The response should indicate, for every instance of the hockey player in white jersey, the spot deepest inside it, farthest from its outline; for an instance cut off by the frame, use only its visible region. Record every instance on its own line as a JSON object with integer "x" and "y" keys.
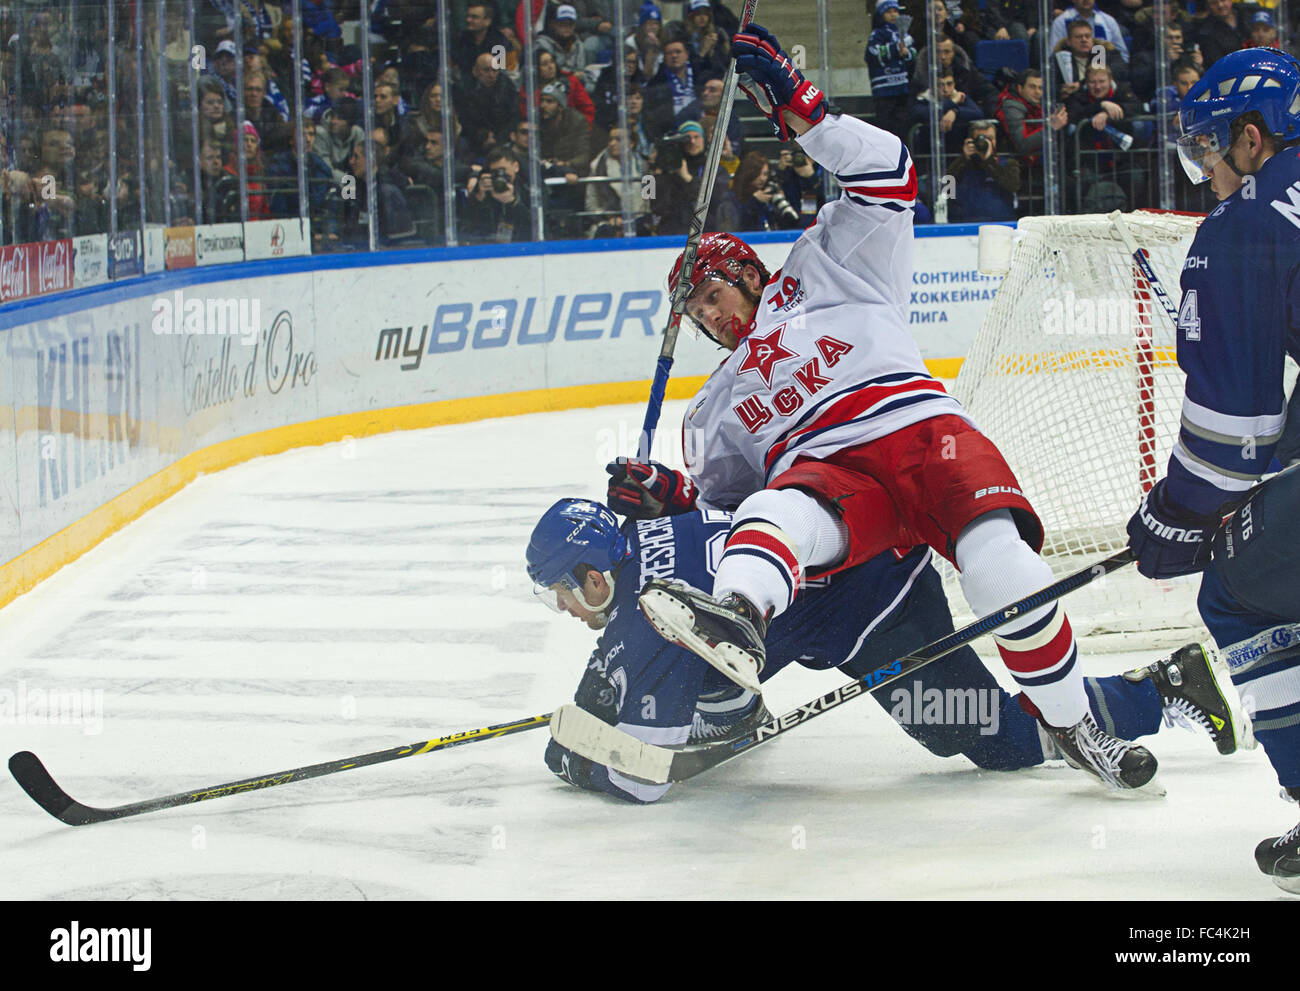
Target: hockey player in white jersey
{"x": 825, "y": 432}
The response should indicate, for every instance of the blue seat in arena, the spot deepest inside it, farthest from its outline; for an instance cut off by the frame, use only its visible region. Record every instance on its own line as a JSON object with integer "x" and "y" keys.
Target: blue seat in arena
{"x": 990, "y": 56}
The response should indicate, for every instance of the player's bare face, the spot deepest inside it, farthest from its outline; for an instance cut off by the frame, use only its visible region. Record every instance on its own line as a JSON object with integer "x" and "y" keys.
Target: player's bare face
{"x": 722, "y": 310}
{"x": 586, "y": 604}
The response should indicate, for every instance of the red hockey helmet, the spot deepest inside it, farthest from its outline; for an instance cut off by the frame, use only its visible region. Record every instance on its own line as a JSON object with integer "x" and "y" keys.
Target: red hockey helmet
{"x": 721, "y": 256}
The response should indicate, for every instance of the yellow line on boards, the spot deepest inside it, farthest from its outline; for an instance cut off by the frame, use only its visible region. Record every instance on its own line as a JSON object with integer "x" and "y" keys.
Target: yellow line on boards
{"x": 33, "y": 566}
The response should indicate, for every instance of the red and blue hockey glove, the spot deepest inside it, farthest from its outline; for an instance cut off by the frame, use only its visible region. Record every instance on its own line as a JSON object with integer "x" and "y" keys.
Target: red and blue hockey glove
{"x": 1167, "y": 540}
{"x": 777, "y": 85}
{"x": 646, "y": 490}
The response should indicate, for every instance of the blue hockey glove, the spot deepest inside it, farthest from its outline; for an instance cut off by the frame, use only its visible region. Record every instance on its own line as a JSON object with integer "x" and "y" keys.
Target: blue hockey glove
{"x": 646, "y": 490}
{"x": 1168, "y": 540}
{"x": 774, "y": 84}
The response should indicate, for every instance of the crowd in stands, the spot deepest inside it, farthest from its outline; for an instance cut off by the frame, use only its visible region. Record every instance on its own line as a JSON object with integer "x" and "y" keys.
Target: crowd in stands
{"x": 227, "y": 145}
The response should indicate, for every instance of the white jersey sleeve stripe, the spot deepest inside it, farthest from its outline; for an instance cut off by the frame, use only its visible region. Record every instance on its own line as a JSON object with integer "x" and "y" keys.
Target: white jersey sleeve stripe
{"x": 1223, "y": 428}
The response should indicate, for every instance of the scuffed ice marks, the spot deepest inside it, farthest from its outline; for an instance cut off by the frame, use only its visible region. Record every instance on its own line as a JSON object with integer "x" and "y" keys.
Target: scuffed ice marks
{"x": 238, "y": 887}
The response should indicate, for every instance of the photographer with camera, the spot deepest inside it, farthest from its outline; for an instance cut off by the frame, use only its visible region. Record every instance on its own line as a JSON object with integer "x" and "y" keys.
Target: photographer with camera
{"x": 679, "y": 163}
{"x": 496, "y": 200}
{"x": 762, "y": 204}
{"x": 984, "y": 188}
{"x": 801, "y": 182}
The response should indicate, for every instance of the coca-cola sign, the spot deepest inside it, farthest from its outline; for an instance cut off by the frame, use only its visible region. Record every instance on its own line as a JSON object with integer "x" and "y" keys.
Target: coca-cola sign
{"x": 54, "y": 266}
{"x": 15, "y": 279}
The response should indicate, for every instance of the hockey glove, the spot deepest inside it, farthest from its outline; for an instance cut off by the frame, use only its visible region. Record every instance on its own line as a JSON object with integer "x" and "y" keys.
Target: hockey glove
{"x": 771, "y": 81}
{"x": 1168, "y": 540}
{"x": 646, "y": 490}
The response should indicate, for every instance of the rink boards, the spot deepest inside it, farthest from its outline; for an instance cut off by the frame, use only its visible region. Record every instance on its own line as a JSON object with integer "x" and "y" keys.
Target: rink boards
{"x": 114, "y": 397}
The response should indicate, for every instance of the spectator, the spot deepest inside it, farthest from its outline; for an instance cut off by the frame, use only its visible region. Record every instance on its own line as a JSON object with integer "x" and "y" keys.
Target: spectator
{"x": 561, "y": 40}
{"x": 1263, "y": 31}
{"x": 955, "y": 60}
{"x": 390, "y": 75}
{"x": 648, "y": 40}
{"x": 216, "y": 123}
{"x": 424, "y": 166}
{"x": 1102, "y": 113}
{"x": 223, "y": 71}
{"x": 335, "y": 84}
{"x": 564, "y": 135}
{"x": 1144, "y": 26}
{"x": 889, "y": 55}
{"x": 488, "y": 106}
{"x": 480, "y": 37}
{"x": 599, "y": 45}
{"x": 956, "y": 111}
{"x": 339, "y": 135}
{"x": 1142, "y": 71}
{"x": 387, "y": 113}
{"x": 54, "y": 181}
{"x": 705, "y": 110}
{"x": 1185, "y": 75}
{"x": 1221, "y": 31}
{"x": 611, "y": 197}
{"x": 259, "y": 206}
{"x": 255, "y": 64}
{"x": 605, "y": 96}
{"x": 679, "y": 78}
{"x": 706, "y": 41}
{"x": 1104, "y": 27}
{"x": 576, "y": 95}
{"x": 260, "y": 112}
{"x": 428, "y": 119}
{"x": 420, "y": 60}
{"x": 801, "y": 182}
{"x": 1075, "y": 55}
{"x": 645, "y": 128}
{"x": 760, "y": 202}
{"x": 985, "y": 185}
{"x": 1020, "y": 109}
{"x": 496, "y": 203}
{"x": 393, "y": 222}
{"x": 218, "y": 198}
{"x": 283, "y": 168}
{"x": 679, "y": 163}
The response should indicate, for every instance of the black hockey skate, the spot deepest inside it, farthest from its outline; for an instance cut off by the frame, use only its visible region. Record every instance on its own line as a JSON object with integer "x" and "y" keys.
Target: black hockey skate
{"x": 1191, "y": 695}
{"x": 1118, "y": 763}
{"x": 728, "y": 633}
{"x": 1279, "y": 856}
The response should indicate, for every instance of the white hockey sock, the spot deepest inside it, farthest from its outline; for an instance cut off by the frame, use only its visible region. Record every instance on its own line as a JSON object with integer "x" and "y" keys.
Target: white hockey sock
{"x": 997, "y": 568}
{"x": 776, "y": 534}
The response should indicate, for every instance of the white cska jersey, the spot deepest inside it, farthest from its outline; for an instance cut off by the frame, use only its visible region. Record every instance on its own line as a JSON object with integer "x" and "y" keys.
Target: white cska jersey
{"x": 830, "y": 362}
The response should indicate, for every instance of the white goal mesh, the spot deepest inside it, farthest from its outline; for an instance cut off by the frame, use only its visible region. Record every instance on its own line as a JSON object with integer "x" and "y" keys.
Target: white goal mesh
{"x": 1073, "y": 375}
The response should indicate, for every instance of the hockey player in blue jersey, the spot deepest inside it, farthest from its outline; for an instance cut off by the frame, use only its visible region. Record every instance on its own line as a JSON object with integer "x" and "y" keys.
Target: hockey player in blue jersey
{"x": 582, "y": 563}
{"x": 1239, "y": 319}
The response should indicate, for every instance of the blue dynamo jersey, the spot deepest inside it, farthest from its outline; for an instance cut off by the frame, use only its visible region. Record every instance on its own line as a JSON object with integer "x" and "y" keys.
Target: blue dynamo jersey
{"x": 1239, "y": 318}
{"x": 650, "y": 688}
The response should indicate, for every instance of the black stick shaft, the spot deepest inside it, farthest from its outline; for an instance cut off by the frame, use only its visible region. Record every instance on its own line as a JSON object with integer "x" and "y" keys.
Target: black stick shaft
{"x": 34, "y": 779}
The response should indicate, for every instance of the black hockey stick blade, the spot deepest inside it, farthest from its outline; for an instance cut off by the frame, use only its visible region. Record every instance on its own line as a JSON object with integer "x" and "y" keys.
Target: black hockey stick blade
{"x": 584, "y": 734}
{"x": 40, "y": 785}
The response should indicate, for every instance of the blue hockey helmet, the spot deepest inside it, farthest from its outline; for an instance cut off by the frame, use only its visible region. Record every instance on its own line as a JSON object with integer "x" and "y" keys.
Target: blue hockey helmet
{"x": 574, "y": 532}
{"x": 1262, "y": 79}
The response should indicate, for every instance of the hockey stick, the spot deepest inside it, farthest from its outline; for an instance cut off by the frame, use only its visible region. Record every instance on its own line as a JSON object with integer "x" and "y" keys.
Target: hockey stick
{"x": 34, "y": 779}
{"x": 584, "y": 734}
{"x": 1140, "y": 259}
{"x": 664, "y": 366}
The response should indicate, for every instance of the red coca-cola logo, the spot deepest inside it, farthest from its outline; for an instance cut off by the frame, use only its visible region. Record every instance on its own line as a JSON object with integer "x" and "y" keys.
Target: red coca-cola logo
{"x": 54, "y": 266}
{"x": 13, "y": 273}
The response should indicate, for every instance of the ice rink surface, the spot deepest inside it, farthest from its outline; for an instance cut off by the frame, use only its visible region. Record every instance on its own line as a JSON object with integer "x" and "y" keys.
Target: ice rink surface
{"x": 333, "y": 601}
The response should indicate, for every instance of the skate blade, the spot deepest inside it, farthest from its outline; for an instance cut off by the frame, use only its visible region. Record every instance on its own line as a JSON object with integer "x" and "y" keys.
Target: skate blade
{"x": 1291, "y": 885}
{"x": 675, "y": 621}
{"x": 1153, "y": 789}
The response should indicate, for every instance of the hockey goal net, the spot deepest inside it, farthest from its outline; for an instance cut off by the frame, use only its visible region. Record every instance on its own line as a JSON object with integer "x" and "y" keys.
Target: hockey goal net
{"x": 1073, "y": 375}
